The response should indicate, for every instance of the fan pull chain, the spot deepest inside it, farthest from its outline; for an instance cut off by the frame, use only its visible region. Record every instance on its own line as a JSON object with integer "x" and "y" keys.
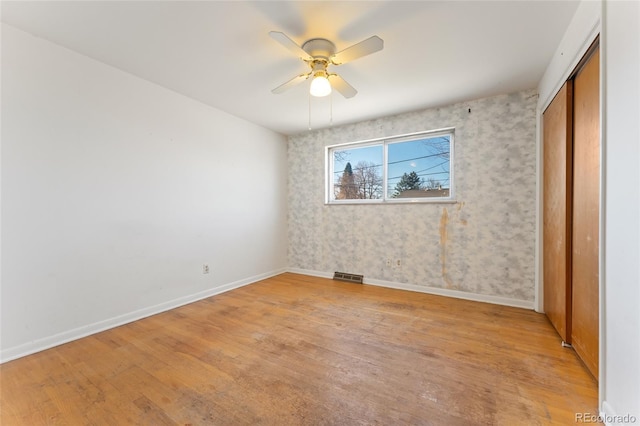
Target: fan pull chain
{"x": 331, "y": 109}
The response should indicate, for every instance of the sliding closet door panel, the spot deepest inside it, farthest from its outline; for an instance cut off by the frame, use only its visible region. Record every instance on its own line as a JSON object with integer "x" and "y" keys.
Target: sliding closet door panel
{"x": 586, "y": 196}
{"x": 557, "y": 123}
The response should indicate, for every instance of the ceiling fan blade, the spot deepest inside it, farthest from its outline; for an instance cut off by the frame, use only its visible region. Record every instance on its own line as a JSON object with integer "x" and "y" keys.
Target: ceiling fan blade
{"x": 285, "y": 41}
{"x": 289, "y": 84}
{"x": 342, "y": 86}
{"x": 358, "y": 50}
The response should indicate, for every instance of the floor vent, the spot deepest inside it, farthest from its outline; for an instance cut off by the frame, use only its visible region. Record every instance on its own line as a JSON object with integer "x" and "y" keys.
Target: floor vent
{"x": 350, "y": 278}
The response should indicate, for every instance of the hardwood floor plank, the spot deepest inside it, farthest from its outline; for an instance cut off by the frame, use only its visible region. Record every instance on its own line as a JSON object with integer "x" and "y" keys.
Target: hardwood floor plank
{"x": 301, "y": 350}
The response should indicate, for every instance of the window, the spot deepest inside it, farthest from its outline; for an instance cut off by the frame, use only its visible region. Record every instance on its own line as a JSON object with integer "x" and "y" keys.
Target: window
{"x": 410, "y": 168}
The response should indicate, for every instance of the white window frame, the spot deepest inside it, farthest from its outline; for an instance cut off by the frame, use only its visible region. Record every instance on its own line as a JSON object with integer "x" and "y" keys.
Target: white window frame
{"x": 385, "y": 142}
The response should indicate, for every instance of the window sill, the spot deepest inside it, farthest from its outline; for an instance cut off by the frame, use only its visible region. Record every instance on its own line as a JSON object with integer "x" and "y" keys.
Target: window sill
{"x": 384, "y": 202}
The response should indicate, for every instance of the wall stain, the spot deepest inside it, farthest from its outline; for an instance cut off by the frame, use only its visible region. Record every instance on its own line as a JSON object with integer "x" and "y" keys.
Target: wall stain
{"x": 444, "y": 220}
{"x": 459, "y": 209}
{"x": 444, "y": 240}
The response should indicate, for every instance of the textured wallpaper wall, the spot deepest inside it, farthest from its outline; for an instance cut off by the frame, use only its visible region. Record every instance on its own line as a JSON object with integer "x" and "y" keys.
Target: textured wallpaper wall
{"x": 483, "y": 243}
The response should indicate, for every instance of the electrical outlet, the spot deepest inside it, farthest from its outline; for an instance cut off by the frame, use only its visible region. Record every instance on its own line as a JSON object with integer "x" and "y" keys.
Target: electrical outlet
{"x": 205, "y": 269}
{"x": 389, "y": 263}
{"x": 398, "y": 263}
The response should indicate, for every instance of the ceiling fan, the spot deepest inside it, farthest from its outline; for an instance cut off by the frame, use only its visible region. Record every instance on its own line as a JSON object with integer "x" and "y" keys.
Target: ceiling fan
{"x": 319, "y": 53}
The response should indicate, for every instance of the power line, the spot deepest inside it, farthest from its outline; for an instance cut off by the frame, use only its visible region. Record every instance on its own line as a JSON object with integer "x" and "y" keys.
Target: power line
{"x": 418, "y": 158}
{"x": 432, "y": 167}
{"x": 399, "y": 161}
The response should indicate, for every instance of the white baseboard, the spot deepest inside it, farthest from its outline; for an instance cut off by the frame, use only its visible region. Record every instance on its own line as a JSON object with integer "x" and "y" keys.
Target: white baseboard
{"x": 496, "y": 300}
{"x": 87, "y": 330}
{"x": 606, "y": 412}
{"x": 609, "y": 417}
{"x": 310, "y": 273}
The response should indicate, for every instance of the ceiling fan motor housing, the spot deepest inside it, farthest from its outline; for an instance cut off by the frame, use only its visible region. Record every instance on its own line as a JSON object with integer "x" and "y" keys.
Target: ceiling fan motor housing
{"x": 319, "y": 48}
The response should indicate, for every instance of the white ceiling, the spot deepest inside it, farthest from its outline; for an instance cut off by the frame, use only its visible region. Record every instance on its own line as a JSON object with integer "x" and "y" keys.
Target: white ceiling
{"x": 220, "y": 53}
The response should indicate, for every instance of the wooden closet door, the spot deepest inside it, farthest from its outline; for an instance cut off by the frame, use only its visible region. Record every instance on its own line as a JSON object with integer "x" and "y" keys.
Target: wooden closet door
{"x": 586, "y": 202}
{"x": 557, "y": 160}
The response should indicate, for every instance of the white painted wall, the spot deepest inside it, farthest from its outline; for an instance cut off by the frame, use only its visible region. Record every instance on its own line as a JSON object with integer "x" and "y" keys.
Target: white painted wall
{"x": 621, "y": 132}
{"x": 619, "y": 23}
{"x": 116, "y": 191}
{"x": 583, "y": 29}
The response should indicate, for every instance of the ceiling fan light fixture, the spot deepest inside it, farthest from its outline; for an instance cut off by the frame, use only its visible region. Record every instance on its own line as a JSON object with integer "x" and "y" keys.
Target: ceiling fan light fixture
{"x": 320, "y": 85}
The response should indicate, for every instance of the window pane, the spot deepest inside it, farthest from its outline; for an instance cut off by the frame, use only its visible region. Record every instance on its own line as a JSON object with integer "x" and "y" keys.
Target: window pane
{"x": 357, "y": 173}
{"x": 419, "y": 168}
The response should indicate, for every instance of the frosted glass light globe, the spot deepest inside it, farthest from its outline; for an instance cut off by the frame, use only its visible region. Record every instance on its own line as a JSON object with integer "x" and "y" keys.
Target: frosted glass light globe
{"x": 320, "y": 86}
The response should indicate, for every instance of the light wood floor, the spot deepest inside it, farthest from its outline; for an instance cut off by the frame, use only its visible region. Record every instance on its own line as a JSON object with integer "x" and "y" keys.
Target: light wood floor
{"x": 297, "y": 350}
